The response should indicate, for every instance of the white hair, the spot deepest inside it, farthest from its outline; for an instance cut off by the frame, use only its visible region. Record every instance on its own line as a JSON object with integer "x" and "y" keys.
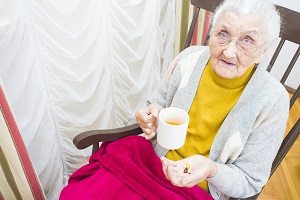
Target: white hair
{"x": 262, "y": 10}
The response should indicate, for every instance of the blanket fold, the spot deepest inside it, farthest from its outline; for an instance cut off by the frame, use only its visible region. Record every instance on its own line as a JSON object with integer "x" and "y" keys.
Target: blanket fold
{"x": 126, "y": 169}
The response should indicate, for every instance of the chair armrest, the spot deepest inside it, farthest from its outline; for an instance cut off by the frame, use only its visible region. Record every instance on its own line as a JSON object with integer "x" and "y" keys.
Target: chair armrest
{"x": 93, "y": 137}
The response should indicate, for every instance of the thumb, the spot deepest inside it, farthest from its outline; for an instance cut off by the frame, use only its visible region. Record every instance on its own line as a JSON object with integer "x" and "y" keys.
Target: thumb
{"x": 168, "y": 162}
{"x": 155, "y": 112}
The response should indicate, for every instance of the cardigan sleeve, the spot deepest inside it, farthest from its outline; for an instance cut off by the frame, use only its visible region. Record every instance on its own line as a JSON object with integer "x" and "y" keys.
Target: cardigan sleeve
{"x": 247, "y": 175}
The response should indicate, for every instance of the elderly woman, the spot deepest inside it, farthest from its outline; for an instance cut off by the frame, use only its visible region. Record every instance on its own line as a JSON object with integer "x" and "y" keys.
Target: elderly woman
{"x": 238, "y": 111}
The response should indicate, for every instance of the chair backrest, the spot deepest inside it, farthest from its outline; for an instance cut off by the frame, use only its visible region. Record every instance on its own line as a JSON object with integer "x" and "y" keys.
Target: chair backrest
{"x": 17, "y": 174}
{"x": 290, "y": 32}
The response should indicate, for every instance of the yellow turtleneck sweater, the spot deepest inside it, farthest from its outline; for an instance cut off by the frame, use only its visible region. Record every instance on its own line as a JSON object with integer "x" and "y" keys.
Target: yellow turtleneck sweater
{"x": 214, "y": 99}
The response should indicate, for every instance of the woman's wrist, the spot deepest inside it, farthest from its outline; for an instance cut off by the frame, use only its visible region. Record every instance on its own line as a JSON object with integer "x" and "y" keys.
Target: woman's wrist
{"x": 214, "y": 170}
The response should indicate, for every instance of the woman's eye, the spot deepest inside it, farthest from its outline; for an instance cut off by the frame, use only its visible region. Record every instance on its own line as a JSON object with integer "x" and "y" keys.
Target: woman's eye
{"x": 223, "y": 35}
{"x": 246, "y": 40}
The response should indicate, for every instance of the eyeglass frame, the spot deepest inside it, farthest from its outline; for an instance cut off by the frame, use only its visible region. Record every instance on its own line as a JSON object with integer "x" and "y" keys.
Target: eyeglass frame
{"x": 236, "y": 42}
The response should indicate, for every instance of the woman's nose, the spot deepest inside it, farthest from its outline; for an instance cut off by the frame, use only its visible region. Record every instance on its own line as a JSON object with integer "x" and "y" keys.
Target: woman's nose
{"x": 231, "y": 49}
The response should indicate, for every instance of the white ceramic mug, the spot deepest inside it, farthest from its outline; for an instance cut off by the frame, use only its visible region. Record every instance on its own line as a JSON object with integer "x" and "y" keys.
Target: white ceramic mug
{"x": 172, "y": 127}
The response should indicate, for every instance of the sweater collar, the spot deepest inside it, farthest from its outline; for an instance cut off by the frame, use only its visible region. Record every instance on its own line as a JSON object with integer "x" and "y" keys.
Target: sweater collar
{"x": 233, "y": 82}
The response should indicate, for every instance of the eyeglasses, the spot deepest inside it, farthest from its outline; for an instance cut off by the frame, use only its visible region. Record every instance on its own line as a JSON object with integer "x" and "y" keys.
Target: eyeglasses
{"x": 245, "y": 45}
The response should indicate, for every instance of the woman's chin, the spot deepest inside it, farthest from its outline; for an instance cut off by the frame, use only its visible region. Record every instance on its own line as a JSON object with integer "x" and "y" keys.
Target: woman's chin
{"x": 226, "y": 73}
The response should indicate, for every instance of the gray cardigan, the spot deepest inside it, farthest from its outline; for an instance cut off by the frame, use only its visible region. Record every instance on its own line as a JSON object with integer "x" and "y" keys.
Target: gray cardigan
{"x": 251, "y": 134}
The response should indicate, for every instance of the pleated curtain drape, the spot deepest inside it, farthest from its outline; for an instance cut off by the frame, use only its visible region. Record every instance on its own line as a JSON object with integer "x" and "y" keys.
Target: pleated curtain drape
{"x": 72, "y": 66}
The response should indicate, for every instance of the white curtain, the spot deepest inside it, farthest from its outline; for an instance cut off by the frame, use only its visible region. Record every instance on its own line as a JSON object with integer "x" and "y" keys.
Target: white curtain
{"x": 74, "y": 65}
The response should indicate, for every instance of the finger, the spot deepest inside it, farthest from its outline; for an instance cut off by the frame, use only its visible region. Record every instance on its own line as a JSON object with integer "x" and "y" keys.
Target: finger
{"x": 143, "y": 119}
{"x": 154, "y": 113}
{"x": 143, "y": 115}
{"x": 174, "y": 177}
{"x": 168, "y": 161}
{"x": 191, "y": 184}
{"x": 150, "y": 125}
{"x": 155, "y": 109}
{"x": 148, "y": 130}
{"x": 169, "y": 167}
{"x": 147, "y": 125}
{"x": 148, "y": 121}
{"x": 165, "y": 168}
{"x": 151, "y": 135}
{"x": 191, "y": 180}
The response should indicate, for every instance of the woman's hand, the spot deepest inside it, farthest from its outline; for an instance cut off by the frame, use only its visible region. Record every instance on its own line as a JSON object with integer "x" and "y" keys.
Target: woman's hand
{"x": 201, "y": 168}
{"x": 147, "y": 119}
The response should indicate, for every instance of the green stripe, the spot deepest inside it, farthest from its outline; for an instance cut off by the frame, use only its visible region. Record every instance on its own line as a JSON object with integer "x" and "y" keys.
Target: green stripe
{"x": 184, "y": 22}
{"x": 9, "y": 176}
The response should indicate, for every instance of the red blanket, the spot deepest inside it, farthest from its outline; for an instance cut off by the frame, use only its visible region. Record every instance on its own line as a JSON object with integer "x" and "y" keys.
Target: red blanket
{"x": 126, "y": 169}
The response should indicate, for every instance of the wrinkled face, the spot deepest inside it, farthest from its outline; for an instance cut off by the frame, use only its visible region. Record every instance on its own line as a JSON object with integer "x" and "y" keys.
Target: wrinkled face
{"x": 227, "y": 60}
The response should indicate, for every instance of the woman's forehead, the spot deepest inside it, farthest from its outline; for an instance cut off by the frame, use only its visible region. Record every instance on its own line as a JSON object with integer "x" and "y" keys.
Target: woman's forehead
{"x": 239, "y": 24}
{"x": 248, "y": 30}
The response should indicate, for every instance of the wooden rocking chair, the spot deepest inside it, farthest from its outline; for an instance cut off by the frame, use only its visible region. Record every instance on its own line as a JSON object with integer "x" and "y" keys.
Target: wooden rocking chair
{"x": 291, "y": 32}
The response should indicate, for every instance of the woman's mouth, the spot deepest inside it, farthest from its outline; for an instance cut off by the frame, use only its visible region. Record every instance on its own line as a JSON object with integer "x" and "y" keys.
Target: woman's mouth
{"x": 228, "y": 63}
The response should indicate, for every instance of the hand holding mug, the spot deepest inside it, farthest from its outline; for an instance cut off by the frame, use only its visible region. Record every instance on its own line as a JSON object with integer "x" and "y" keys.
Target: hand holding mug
{"x": 147, "y": 119}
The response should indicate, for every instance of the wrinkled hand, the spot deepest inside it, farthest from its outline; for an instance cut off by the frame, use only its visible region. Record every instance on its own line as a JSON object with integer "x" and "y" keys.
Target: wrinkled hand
{"x": 147, "y": 119}
{"x": 201, "y": 168}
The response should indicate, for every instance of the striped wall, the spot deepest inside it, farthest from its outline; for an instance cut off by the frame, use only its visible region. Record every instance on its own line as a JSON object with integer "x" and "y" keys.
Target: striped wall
{"x": 184, "y": 15}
